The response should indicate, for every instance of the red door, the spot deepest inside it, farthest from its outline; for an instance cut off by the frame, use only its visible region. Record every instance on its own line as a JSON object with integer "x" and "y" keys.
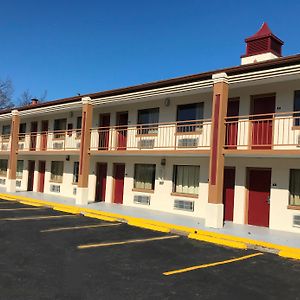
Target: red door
{"x": 41, "y": 182}
{"x": 31, "y": 167}
{"x": 101, "y": 172}
{"x": 44, "y": 135}
{"x": 232, "y": 123}
{"x": 259, "y": 197}
{"x": 122, "y": 122}
{"x": 104, "y": 123}
{"x": 119, "y": 173}
{"x": 228, "y": 193}
{"x": 262, "y": 126}
{"x": 33, "y": 134}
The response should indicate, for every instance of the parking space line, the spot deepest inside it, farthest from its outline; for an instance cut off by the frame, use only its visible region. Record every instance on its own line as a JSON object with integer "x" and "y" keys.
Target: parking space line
{"x": 36, "y": 218}
{"x": 211, "y": 264}
{"x": 80, "y": 227}
{"x": 22, "y": 208}
{"x": 127, "y": 242}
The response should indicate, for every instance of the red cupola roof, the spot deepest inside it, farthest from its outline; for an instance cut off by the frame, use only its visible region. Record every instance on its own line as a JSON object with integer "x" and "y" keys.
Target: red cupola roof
{"x": 263, "y": 41}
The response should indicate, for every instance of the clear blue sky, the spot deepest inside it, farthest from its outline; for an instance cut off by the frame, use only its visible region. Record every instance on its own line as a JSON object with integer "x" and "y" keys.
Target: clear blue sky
{"x": 87, "y": 46}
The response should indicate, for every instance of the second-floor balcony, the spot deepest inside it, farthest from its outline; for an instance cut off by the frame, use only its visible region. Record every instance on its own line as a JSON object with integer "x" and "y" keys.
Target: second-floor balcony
{"x": 186, "y": 136}
{"x": 58, "y": 140}
{"x": 265, "y": 132}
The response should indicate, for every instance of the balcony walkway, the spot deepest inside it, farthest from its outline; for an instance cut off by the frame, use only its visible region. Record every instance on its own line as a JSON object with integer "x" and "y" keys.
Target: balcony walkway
{"x": 245, "y": 231}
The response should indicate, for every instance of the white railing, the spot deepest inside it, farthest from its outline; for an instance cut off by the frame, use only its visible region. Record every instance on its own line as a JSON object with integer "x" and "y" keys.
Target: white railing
{"x": 176, "y": 136}
{"x": 59, "y": 140}
{"x": 280, "y": 131}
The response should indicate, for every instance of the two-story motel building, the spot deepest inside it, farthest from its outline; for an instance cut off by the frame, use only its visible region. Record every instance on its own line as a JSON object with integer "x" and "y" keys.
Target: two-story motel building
{"x": 221, "y": 145}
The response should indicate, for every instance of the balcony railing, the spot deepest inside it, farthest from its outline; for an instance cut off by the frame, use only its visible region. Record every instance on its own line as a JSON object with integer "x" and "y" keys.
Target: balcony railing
{"x": 279, "y": 131}
{"x": 5, "y": 142}
{"x": 58, "y": 140}
{"x": 176, "y": 136}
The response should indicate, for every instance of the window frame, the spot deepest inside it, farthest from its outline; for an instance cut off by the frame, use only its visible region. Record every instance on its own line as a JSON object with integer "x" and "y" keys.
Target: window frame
{"x": 75, "y": 172}
{"x": 147, "y": 128}
{"x": 175, "y": 177}
{"x": 6, "y": 136}
{"x": 296, "y": 108}
{"x": 292, "y": 202}
{"x": 20, "y": 175}
{"x": 190, "y": 125}
{"x": 135, "y": 179}
{"x": 3, "y": 167}
{"x": 58, "y": 178}
{"x": 60, "y": 127}
{"x": 22, "y": 131}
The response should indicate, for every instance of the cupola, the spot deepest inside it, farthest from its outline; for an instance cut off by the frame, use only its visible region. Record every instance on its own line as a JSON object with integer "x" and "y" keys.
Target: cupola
{"x": 261, "y": 46}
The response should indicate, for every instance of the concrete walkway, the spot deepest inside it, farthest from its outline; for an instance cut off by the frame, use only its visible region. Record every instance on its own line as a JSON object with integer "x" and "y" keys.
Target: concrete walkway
{"x": 244, "y": 231}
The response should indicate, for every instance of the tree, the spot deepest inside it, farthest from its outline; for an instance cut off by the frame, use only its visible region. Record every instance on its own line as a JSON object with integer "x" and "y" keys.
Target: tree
{"x": 26, "y": 96}
{"x": 6, "y": 92}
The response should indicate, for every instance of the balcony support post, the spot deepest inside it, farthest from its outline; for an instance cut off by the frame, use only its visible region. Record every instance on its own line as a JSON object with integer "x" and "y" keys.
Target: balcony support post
{"x": 13, "y": 155}
{"x": 215, "y": 207}
{"x": 84, "y": 159}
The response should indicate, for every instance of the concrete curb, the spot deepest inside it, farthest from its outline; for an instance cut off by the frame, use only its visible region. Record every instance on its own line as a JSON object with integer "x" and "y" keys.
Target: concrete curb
{"x": 192, "y": 233}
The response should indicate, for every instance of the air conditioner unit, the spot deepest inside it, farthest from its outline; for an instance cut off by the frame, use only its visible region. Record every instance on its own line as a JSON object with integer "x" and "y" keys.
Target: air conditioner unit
{"x": 21, "y": 146}
{"x": 186, "y": 205}
{"x": 188, "y": 143}
{"x": 78, "y": 145}
{"x": 4, "y": 147}
{"x": 18, "y": 183}
{"x": 58, "y": 146}
{"x": 55, "y": 188}
{"x": 296, "y": 221}
{"x": 2, "y": 180}
{"x": 141, "y": 199}
{"x": 146, "y": 144}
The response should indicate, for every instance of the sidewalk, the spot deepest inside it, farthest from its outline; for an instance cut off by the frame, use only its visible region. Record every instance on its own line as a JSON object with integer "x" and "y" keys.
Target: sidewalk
{"x": 237, "y": 234}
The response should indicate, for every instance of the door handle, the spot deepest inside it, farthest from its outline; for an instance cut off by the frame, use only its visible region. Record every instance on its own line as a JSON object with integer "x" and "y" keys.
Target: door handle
{"x": 268, "y": 199}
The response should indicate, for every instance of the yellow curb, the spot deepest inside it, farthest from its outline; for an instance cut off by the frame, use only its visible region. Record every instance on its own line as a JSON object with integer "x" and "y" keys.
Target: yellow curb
{"x": 227, "y": 243}
{"x": 208, "y": 235}
{"x": 290, "y": 254}
{"x": 149, "y": 226}
{"x": 100, "y": 217}
{"x": 67, "y": 210}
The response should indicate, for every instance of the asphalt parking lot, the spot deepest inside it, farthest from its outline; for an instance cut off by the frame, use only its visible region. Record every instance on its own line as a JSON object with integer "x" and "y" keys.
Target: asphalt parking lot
{"x": 46, "y": 254}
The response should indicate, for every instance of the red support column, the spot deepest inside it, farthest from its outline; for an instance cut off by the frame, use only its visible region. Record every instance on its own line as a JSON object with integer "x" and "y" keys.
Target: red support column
{"x": 84, "y": 160}
{"x": 215, "y": 207}
{"x": 13, "y": 155}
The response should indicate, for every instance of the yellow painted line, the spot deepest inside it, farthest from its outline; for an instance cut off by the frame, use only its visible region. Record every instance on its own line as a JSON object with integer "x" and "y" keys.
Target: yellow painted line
{"x": 127, "y": 242}
{"x": 100, "y": 217}
{"x": 79, "y": 227}
{"x": 31, "y": 203}
{"x": 21, "y": 208}
{"x": 211, "y": 264}
{"x": 37, "y": 218}
{"x": 214, "y": 240}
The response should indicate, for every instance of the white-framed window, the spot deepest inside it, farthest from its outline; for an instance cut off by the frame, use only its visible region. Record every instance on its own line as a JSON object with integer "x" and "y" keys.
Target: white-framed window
{"x": 144, "y": 176}
{"x": 294, "y": 187}
{"x": 186, "y": 179}
{"x": 57, "y": 171}
{"x": 148, "y": 118}
{"x": 20, "y": 168}
{"x": 5, "y": 132}
{"x": 3, "y": 167}
{"x": 75, "y": 171}
{"x": 189, "y": 117}
{"x": 22, "y": 131}
{"x": 59, "y": 127}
